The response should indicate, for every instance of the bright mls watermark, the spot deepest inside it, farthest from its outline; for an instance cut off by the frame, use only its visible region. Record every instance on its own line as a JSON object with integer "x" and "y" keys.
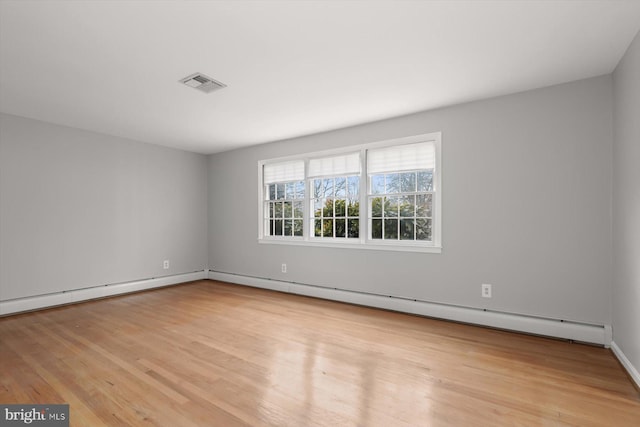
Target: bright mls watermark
{"x": 34, "y": 415}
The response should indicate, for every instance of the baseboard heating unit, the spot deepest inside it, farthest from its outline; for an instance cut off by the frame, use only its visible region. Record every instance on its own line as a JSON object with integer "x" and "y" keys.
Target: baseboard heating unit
{"x": 72, "y": 296}
{"x": 557, "y": 328}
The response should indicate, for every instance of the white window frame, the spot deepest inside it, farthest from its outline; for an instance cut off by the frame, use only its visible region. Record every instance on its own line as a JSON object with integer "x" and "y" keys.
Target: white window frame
{"x": 363, "y": 242}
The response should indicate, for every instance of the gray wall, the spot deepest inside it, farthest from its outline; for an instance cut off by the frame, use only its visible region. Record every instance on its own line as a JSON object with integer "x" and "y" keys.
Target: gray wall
{"x": 526, "y": 204}
{"x": 626, "y": 204}
{"x": 80, "y": 209}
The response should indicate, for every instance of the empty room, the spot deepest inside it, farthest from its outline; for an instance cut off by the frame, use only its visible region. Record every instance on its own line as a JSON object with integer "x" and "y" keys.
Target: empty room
{"x": 320, "y": 213}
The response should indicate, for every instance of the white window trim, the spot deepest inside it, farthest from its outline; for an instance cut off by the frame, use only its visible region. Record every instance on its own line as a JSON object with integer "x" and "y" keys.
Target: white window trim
{"x": 363, "y": 242}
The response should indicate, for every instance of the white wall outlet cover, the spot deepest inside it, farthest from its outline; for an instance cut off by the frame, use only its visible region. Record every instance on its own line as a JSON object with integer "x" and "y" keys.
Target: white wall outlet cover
{"x": 486, "y": 290}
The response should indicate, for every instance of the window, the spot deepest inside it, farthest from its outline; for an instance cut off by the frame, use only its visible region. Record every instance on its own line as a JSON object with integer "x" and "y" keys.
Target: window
{"x": 336, "y": 207}
{"x": 384, "y": 195}
{"x": 335, "y": 182}
{"x": 400, "y": 198}
{"x": 284, "y": 193}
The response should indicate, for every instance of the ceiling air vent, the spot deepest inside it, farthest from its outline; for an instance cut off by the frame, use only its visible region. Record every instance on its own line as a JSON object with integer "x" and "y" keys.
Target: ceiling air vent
{"x": 202, "y": 83}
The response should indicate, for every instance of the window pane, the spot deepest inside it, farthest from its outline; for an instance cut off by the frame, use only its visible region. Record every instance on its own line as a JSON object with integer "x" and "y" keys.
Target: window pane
{"x": 277, "y": 212}
{"x": 423, "y": 204}
{"x": 376, "y": 207}
{"x": 272, "y": 192}
{"x": 279, "y": 191}
{"x": 327, "y": 185}
{"x": 318, "y": 228}
{"x": 353, "y": 186}
{"x": 407, "y": 206}
{"x": 391, "y": 229}
{"x": 341, "y": 187}
{"x": 327, "y": 228}
{"x": 272, "y": 227}
{"x": 278, "y": 228}
{"x": 353, "y": 208}
{"x": 318, "y": 190}
{"x": 288, "y": 211}
{"x": 376, "y": 229}
{"x": 271, "y": 210}
{"x": 340, "y": 228}
{"x": 327, "y": 210}
{"x": 423, "y": 229}
{"x": 392, "y": 183}
{"x": 317, "y": 208}
{"x": 406, "y": 229}
{"x": 289, "y": 190}
{"x": 377, "y": 184}
{"x": 391, "y": 207}
{"x": 425, "y": 180}
{"x": 298, "y": 209}
{"x": 300, "y": 190}
{"x": 340, "y": 207}
{"x": 288, "y": 227}
{"x": 408, "y": 182}
{"x": 297, "y": 227}
{"x": 354, "y": 228}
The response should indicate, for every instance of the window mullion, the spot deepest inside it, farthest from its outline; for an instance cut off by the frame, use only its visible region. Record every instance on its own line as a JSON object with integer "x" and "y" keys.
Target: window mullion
{"x": 306, "y": 208}
{"x": 334, "y": 220}
{"x": 364, "y": 198}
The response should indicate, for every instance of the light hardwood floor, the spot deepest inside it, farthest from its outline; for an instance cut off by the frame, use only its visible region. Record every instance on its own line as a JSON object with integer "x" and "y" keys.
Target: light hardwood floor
{"x": 212, "y": 354}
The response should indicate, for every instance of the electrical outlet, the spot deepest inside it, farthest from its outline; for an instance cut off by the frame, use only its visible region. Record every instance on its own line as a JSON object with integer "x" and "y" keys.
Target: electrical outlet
{"x": 284, "y": 268}
{"x": 486, "y": 290}
{"x": 165, "y": 264}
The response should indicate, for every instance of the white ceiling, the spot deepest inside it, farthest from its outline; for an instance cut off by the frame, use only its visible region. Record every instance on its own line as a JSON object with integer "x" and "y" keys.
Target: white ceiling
{"x": 292, "y": 68}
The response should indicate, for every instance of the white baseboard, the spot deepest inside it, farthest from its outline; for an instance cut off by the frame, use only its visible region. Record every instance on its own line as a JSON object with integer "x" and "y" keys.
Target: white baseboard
{"x": 633, "y": 372}
{"x": 595, "y": 334}
{"x": 68, "y": 297}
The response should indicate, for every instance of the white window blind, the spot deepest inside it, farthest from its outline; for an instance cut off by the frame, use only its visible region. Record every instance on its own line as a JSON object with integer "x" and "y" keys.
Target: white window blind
{"x": 346, "y": 164}
{"x": 284, "y": 171}
{"x": 406, "y": 157}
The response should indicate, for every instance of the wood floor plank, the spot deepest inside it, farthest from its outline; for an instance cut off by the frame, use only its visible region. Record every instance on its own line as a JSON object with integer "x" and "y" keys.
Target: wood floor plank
{"x": 209, "y": 353}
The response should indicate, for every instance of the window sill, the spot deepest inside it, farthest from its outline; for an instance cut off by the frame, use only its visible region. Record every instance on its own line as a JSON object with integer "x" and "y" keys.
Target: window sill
{"x": 355, "y": 245}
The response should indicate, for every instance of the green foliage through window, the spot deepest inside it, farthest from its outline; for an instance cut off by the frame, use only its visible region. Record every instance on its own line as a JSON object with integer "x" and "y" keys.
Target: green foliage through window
{"x": 401, "y": 205}
{"x": 336, "y": 207}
